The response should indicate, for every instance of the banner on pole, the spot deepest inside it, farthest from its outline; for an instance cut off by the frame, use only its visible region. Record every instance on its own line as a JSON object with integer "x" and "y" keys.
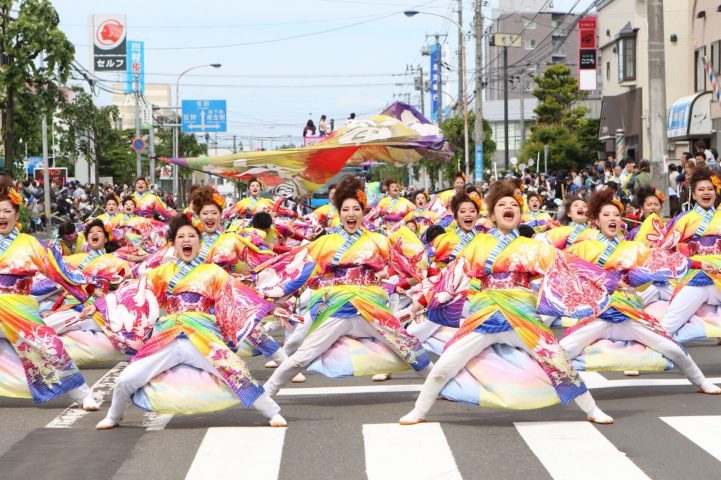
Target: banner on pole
{"x": 135, "y": 66}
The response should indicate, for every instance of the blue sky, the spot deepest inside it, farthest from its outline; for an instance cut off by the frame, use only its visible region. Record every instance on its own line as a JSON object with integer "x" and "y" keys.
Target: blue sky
{"x": 348, "y": 55}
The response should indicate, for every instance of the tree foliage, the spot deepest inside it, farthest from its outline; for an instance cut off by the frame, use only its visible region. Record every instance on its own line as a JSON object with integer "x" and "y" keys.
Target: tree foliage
{"x": 30, "y": 87}
{"x": 453, "y": 131}
{"x": 561, "y": 123}
{"x": 86, "y": 129}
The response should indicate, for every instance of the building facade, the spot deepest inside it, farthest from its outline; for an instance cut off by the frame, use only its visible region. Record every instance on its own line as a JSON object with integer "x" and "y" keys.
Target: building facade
{"x": 622, "y": 27}
{"x": 706, "y": 19}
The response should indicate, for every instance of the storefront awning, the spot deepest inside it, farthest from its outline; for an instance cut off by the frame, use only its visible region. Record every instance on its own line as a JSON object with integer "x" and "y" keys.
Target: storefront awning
{"x": 690, "y": 117}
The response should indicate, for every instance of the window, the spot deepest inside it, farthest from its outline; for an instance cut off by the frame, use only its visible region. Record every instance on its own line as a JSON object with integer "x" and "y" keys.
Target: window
{"x": 529, "y": 24}
{"x": 626, "y": 49}
{"x": 699, "y": 71}
{"x": 529, "y": 44}
{"x": 608, "y": 70}
{"x": 716, "y": 56}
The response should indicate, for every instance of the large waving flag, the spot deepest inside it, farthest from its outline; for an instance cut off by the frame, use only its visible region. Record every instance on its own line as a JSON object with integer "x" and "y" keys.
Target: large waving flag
{"x": 399, "y": 135}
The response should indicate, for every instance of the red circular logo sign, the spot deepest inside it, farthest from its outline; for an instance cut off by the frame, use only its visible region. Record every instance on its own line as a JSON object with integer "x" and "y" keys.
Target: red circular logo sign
{"x": 109, "y": 34}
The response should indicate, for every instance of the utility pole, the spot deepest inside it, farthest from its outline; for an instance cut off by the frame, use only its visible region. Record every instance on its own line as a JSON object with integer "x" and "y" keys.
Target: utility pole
{"x": 461, "y": 60}
{"x": 522, "y": 80}
{"x": 423, "y": 90}
{"x": 657, "y": 97}
{"x": 478, "y": 134}
{"x": 138, "y": 161}
{"x": 234, "y": 147}
{"x": 439, "y": 77}
{"x": 46, "y": 164}
{"x": 505, "y": 104}
{"x": 151, "y": 149}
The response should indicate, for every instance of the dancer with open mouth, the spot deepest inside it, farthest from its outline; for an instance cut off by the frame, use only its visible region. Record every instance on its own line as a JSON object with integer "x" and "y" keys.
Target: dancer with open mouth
{"x": 35, "y": 363}
{"x": 623, "y": 322}
{"x": 190, "y": 336}
{"x": 535, "y": 371}
{"x": 345, "y": 272}
{"x": 390, "y": 210}
{"x": 574, "y": 224}
{"x": 148, "y": 204}
{"x": 239, "y": 214}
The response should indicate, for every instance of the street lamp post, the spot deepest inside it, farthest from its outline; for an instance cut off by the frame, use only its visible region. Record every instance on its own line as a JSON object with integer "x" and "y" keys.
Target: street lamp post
{"x": 462, "y": 68}
{"x": 176, "y": 130}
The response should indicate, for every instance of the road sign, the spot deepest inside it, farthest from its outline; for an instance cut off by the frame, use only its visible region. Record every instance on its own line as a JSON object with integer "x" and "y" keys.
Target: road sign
{"x": 135, "y": 66}
{"x": 505, "y": 40}
{"x": 138, "y": 144}
{"x": 204, "y": 116}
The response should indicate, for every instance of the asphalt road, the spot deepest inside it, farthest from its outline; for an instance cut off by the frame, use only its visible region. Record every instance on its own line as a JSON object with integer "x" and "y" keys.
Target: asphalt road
{"x": 663, "y": 430}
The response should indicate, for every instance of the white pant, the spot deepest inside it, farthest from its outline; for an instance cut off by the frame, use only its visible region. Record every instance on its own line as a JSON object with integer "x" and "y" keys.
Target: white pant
{"x": 65, "y": 321}
{"x": 456, "y": 356}
{"x": 295, "y": 338}
{"x": 316, "y": 343}
{"x": 654, "y": 293}
{"x": 422, "y": 330}
{"x": 632, "y": 330}
{"x": 180, "y": 351}
{"x": 685, "y": 304}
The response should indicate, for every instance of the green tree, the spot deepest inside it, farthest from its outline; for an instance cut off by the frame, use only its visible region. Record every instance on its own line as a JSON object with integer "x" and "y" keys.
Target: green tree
{"x": 29, "y": 87}
{"x": 86, "y": 129}
{"x": 453, "y": 131}
{"x": 560, "y": 123}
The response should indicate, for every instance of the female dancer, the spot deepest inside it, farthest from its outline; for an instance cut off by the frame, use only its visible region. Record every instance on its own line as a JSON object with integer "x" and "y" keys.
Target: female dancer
{"x": 31, "y": 354}
{"x": 624, "y": 319}
{"x": 697, "y": 234}
{"x": 112, "y": 215}
{"x": 246, "y": 207}
{"x": 504, "y": 312}
{"x": 442, "y": 201}
{"x": 189, "y": 334}
{"x": 575, "y": 225}
{"x": 421, "y": 216}
{"x": 345, "y": 269}
{"x": 148, "y": 204}
{"x": 535, "y": 218}
{"x": 325, "y": 216}
{"x": 391, "y": 209}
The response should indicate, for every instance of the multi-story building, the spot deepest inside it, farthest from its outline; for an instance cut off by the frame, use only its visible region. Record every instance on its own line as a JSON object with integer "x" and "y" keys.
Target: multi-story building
{"x": 157, "y": 94}
{"x": 622, "y": 27}
{"x": 706, "y": 17}
{"x": 547, "y": 38}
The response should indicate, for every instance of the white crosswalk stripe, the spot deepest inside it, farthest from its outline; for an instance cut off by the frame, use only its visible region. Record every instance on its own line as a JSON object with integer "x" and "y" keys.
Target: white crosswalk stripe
{"x": 701, "y": 430}
{"x": 231, "y": 452}
{"x": 426, "y": 453}
{"x": 566, "y": 449}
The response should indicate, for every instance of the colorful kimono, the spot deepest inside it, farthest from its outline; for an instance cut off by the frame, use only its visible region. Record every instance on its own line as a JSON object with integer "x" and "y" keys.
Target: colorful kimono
{"x": 148, "y": 205}
{"x": 143, "y": 234}
{"x": 641, "y": 265}
{"x": 447, "y": 246}
{"x": 82, "y": 340}
{"x": 389, "y": 211}
{"x": 247, "y": 207}
{"x": 341, "y": 269}
{"x": 442, "y": 201}
{"x": 565, "y": 236}
{"x": 504, "y": 265}
{"x": 538, "y": 220}
{"x": 33, "y": 360}
{"x": 424, "y": 218}
{"x": 325, "y": 216}
{"x": 190, "y": 292}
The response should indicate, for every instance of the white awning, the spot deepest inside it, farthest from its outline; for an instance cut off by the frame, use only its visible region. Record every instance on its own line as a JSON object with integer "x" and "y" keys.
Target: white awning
{"x": 690, "y": 117}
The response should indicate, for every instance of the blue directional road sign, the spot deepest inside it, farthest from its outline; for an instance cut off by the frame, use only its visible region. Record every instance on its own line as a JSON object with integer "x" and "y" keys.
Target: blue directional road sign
{"x": 203, "y": 116}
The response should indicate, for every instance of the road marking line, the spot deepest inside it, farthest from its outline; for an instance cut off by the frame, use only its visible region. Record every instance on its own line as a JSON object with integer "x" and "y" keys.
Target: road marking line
{"x": 596, "y": 382}
{"x": 426, "y": 453}
{"x": 703, "y": 430}
{"x": 101, "y": 390}
{"x": 233, "y": 452}
{"x": 155, "y": 421}
{"x": 571, "y": 450}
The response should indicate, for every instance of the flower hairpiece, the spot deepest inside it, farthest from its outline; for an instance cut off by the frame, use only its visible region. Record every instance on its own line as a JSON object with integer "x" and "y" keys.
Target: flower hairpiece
{"x": 660, "y": 196}
{"x": 219, "y": 200}
{"x": 716, "y": 183}
{"x": 476, "y": 200}
{"x": 519, "y": 199}
{"x": 360, "y": 195}
{"x": 109, "y": 230}
{"x": 618, "y": 204}
{"x": 194, "y": 220}
{"x": 14, "y": 197}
